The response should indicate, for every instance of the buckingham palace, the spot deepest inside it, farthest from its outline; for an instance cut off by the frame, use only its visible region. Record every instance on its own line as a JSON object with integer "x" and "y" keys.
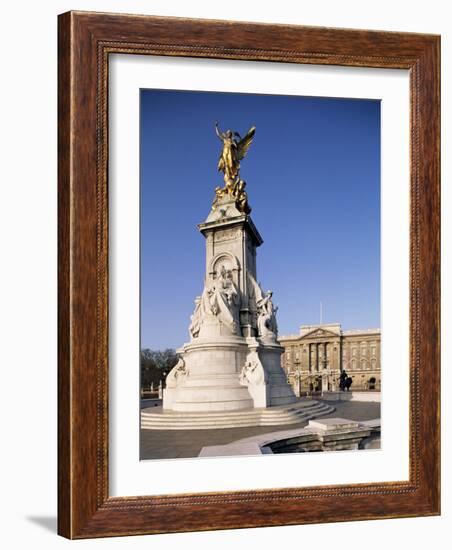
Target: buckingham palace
{"x": 314, "y": 359}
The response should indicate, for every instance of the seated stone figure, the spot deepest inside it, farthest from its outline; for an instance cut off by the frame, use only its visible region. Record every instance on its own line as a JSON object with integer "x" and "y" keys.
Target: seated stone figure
{"x": 219, "y": 303}
{"x": 176, "y": 374}
{"x": 252, "y": 373}
{"x": 266, "y": 321}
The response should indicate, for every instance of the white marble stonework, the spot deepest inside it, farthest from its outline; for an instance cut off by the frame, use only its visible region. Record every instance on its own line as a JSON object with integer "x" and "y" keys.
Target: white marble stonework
{"x": 232, "y": 361}
{"x": 332, "y": 434}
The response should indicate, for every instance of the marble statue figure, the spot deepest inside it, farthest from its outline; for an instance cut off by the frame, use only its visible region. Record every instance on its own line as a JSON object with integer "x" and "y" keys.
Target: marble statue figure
{"x": 178, "y": 372}
{"x": 220, "y": 300}
{"x": 267, "y": 325}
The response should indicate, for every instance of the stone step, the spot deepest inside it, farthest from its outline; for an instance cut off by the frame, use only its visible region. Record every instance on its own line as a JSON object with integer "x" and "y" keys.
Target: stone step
{"x": 258, "y": 418}
{"x": 192, "y": 416}
{"x": 252, "y": 421}
{"x": 270, "y": 412}
{"x": 264, "y": 417}
{"x": 267, "y": 413}
{"x": 236, "y": 424}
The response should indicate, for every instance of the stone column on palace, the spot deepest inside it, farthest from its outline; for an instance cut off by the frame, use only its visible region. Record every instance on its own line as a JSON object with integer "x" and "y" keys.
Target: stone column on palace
{"x": 324, "y": 369}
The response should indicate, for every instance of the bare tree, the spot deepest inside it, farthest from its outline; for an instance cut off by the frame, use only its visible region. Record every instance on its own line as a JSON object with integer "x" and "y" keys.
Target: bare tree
{"x": 155, "y": 365}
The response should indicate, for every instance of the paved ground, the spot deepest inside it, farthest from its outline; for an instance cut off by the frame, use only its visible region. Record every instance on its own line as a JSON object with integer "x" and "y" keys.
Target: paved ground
{"x": 188, "y": 443}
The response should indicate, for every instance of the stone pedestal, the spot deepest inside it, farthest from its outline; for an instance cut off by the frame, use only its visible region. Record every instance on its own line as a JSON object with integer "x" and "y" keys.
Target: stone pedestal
{"x": 233, "y": 361}
{"x": 213, "y": 381}
{"x": 280, "y": 392}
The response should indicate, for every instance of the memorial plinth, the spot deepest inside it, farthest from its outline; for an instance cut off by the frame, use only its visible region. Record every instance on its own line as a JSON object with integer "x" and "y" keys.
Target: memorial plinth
{"x": 233, "y": 361}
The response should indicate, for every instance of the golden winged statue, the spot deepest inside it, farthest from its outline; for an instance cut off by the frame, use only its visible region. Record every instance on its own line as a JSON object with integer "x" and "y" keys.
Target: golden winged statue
{"x": 234, "y": 150}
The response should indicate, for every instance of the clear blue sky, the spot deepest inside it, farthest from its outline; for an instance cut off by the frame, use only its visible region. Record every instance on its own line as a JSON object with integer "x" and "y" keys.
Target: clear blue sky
{"x": 313, "y": 181}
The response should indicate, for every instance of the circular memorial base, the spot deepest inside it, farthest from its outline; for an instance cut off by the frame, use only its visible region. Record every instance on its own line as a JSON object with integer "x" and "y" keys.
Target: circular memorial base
{"x": 284, "y": 415}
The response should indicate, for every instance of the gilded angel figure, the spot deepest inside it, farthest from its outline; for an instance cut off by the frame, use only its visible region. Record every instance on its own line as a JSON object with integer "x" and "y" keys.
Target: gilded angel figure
{"x": 234, "y": 150}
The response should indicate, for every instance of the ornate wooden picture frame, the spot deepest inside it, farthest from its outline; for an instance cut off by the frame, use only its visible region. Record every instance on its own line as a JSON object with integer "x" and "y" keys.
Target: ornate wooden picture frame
{"x": 86, "y": 41}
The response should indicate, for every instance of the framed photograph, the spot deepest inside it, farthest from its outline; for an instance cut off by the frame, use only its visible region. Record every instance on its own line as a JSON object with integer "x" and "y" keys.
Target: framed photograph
{"x": 248, "y": 275}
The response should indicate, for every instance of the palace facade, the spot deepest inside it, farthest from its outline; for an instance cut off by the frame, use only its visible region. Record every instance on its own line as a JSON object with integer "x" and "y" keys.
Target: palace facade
{"x": 314, "y": 358}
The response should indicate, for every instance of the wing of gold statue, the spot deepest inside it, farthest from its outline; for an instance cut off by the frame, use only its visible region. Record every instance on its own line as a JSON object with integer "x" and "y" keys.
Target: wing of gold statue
{"x": 244, "y": 144}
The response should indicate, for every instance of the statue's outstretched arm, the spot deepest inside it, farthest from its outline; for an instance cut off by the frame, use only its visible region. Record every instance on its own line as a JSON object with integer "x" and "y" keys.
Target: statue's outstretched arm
{"x": 218, "y": 132}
